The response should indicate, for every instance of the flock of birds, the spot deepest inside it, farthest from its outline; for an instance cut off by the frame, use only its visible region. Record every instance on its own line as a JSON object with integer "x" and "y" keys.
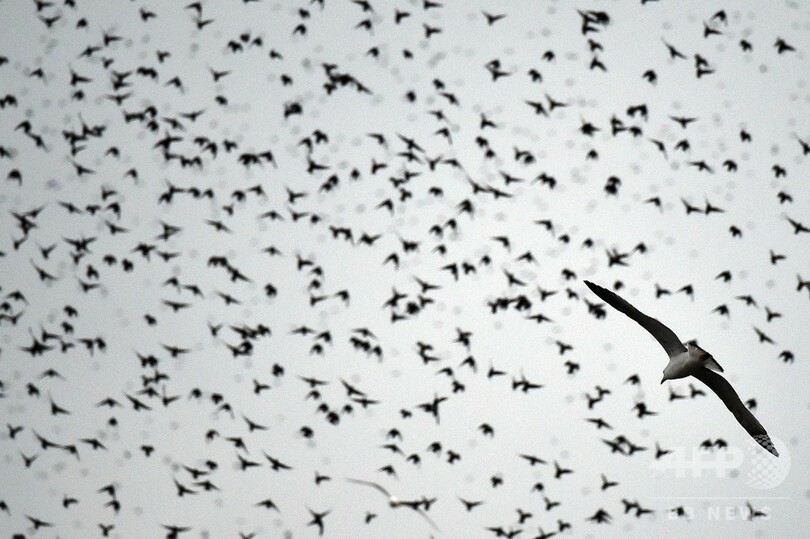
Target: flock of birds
{"x": 274, "y": 260}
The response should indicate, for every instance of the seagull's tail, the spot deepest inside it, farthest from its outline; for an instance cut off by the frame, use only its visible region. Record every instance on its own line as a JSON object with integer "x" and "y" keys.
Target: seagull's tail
{"x": 710, "y": 363}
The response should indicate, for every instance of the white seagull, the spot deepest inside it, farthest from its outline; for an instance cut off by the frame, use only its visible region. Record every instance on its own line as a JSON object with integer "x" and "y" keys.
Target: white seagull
{"x": 690, "y": 360}
{"x": 395, "y": 502}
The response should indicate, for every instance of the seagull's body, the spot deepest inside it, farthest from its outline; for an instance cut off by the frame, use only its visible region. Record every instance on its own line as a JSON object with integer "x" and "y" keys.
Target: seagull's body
{"x": 680, "y": 366}
{"x": 690, "y": 360}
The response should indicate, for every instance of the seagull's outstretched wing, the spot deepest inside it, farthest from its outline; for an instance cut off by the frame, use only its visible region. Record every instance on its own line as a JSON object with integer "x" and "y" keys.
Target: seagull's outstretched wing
{"x": 665, "y": 336}
{"x": 720, "y": 385}
{"x": 371, "y": 484}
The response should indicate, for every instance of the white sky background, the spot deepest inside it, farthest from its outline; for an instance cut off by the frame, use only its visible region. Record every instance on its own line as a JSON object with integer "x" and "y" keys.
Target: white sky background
{"x": 760, "y": 91}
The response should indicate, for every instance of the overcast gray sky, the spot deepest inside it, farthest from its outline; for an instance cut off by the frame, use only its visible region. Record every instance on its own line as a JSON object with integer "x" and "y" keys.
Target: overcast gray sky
{"x": 288, "y": 80}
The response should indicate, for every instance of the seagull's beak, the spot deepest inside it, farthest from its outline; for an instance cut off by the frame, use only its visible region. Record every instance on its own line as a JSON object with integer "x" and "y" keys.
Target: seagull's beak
{"x": 663, "y": 380}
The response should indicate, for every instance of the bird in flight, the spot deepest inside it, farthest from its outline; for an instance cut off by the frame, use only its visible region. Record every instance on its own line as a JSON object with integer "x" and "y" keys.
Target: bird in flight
{"x": 690, "y": 360}
{"x": 395, "y": 502}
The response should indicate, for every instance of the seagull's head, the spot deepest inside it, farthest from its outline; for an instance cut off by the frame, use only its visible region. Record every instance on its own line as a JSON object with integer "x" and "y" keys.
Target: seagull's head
{"x": 671, "y": 372}
{"x": 667, "y": 374}
{"x": 393, "y": 501}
